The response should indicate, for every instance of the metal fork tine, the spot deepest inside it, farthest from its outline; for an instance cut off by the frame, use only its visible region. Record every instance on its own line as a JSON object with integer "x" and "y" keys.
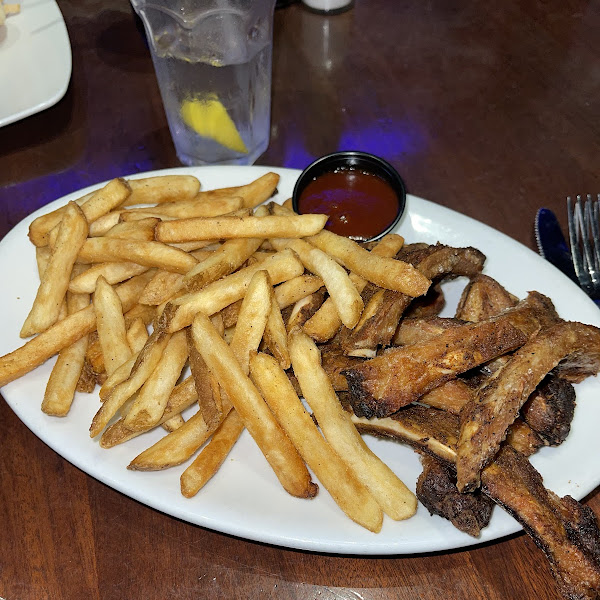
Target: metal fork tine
{"x": 595, "y": 228}
{"x": 575, "y": 219}
{"x": 590, "y": 243}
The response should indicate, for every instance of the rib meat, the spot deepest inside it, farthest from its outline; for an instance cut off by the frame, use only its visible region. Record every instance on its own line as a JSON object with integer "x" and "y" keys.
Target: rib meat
{"x": 436, "y": 262}
{"x": 485, "y": 420}
{"x": 482, "y": 298}
{"x": 567, "y": 532}
{"x": 437, "y": 491}
{"x": 381, "y": 386}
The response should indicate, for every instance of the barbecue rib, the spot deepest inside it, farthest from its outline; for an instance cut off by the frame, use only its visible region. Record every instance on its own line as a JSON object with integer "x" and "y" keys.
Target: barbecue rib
{"x": 550, "y": 409}
{"x": 437, "y": 491}
{"x": 482, "y": 298}
{"x": 381, "y": 386}
{"x": 485, "y": 420}
{"x": 564, "y": 529}
{"x": 435, "y": 262}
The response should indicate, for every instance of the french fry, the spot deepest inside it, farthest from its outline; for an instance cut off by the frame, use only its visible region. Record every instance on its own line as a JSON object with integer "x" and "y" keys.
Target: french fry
{"x": 275, "y": 336}
{"x": 110, "y": 324}
{"x": 150, "y": 254}
{"x": 337, "y": 477}
{"x": 223, "y": 261}
{"x": 207, "y": 463}
{"x": 174, "y": 448}
{"x": 111, "y": 272}
{"x": 253, "y": 193}
{"x": 142, "y": 230}
{"x": 63, "y": 333}
{"x": 162, "y": 288}
{"x": 325, "y": 323}
{"x": 152, "y": 398}
{"x": 183, "y": 396}
{"x": 347, "y": 300}
{"x": 252, "y": 320}
{"x": 66, "y": 373}
{"x": 186, "y": 230}
{"x": 255, "y": 414}
{"x": 392, "y": 495}
{"x": 219, "y": 294}
{"x": 173, "y": 423}
{"x": 384, "y": 272}
{"x": 161, "y": 189}
{"x": 54, "y": 283}
{"x": 94, "y": 205}
{"x": 195, "y": 207}
{"x": 293, "y": 290}
{"x": 137, "y": 335}
{"x": 140, "y": 311}
{"x": 144, "y": 366}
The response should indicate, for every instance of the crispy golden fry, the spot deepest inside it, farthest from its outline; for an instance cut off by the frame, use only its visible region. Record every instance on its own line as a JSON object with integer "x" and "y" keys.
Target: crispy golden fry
{"x": 152, "y": 398}
{"x": 195, "y": 207}
{"x": 253, "y": 193}
{"x": 145, "y": 364}
{"x": 163, "y": 188}
{"x": 275, "y": 336}
{"x": 207, "y": 463}
{"x": 174, "y": 448}
{"x": 62, "y": 334}
{"x": 387, "y": 273}
{"x": 337, "y": 477}
{"x": 110, "y": 324}
{"x": 142, "y": 230}
{"x": 162, "y": 288}
{"x": 54, "y": 283}
{"x": 226, "y": 259}
{"x": 219, "y": 294}
{"x": 347, "y": 300}
{"x": 140, "y": 311}
{"x": 207, "y": 388}
{"x": 150, "y": 254}
{"x": 183, "y": 396}
{"x": 185, "y": 230}
{"x": 173, "y": 423}
{"x": 137, "y": 335}
{"x": 66, "y": 373}
{"x": 93, "y": 205}
{"x": 252, "y": 320}
{"x": 119, "y": 375}
{"x": 112, "y": 272}
{"x": 290, "y": 292}
{"x": 105, "y": 223}
{"x": 325, "y": 323}
{"x": 393, "y": 496}
{"x": 255, "y": 414}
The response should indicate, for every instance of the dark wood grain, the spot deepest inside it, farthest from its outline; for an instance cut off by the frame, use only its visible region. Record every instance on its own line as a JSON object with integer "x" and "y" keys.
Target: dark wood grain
{"x": 490, "y": 109}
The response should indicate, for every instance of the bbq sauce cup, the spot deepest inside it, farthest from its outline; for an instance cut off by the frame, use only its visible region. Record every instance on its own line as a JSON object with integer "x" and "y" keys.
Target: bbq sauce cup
{"x": 363, "y": 194}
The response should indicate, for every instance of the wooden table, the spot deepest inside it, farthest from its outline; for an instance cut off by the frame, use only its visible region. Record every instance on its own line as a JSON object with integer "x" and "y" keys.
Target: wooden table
{"x": 490, "y": 110}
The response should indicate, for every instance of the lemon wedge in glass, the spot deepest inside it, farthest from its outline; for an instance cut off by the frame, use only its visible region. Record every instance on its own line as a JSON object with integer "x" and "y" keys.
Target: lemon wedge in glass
{"x": 209, "y": 118}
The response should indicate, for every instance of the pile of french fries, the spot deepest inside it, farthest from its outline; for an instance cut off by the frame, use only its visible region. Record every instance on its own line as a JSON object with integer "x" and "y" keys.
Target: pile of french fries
{"x": 170, "y": 298}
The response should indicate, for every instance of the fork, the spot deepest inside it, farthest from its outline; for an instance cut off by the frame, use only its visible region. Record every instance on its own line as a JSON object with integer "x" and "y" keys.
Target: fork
{"x": 584, "y": 236}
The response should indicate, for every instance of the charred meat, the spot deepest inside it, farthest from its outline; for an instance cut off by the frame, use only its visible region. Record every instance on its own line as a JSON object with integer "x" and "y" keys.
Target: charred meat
{"x": 485, "y": 421}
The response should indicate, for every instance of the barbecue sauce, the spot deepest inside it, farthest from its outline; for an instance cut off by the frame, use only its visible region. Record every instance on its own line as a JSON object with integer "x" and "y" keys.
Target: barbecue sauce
{"x": 360, "y": 205}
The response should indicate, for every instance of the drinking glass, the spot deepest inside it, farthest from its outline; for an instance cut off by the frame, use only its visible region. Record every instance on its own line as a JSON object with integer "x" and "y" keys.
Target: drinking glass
{"x": 213, "y": 64}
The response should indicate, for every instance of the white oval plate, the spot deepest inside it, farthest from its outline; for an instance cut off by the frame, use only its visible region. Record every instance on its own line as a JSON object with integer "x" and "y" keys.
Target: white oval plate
{"x": 244, "y": 498}
{"x": 35, "y": 60}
